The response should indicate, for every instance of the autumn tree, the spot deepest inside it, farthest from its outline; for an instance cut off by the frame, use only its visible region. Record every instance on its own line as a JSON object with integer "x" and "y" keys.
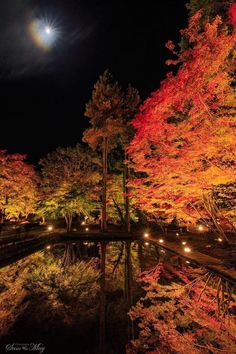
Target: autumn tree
{"x": 109, "y": 111}
{"x": 18, "y": 187}
{"x": 118, "y": 190}
{"x": 185, "y": 139}
{"x": 70, "y": 178}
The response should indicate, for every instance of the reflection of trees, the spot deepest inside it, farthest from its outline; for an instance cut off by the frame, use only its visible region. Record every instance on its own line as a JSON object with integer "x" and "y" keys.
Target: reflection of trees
{"x": 102, "y": 319}
{"x": 120, "y": 255}
{"x": 69, "y": 255}
{"x": 140, "y": 256}
{"x": 128, "y": 284}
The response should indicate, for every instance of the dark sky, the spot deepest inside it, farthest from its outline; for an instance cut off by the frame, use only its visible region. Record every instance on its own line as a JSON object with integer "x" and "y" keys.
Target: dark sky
{"x": 43, "y": 94}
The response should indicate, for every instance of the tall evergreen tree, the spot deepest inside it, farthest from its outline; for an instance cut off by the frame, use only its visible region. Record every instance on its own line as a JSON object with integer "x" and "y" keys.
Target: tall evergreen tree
{"x": 105, "y": 111}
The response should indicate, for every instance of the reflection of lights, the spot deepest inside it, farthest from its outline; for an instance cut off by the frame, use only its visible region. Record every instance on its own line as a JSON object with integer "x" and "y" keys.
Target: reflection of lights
{"x": 146, "y": 243}
{"x": 146, "y": 235}
{"x": 220, "y": 239}
{"x": 187, "y": 249}
{"x": 161, "y": 240}
{"x": 184, "y": 243}
{"x": 87, "y": 229}
{"x": 50, "y": 228}
{"x": 48, "y": 247}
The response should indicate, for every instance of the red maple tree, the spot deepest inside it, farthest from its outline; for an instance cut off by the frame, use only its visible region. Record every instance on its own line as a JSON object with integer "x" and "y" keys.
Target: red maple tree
{"x": 185, "y": 139}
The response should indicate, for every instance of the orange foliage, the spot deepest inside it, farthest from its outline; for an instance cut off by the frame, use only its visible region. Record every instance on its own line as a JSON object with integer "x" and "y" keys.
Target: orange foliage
{"x": 185, "y": 139}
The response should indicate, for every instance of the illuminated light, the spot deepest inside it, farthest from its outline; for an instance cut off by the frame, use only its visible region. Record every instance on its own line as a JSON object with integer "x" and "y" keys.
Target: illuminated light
{"x": 48, "y": 247}
{"x": 187, "y": 249}
{"x": 161, "y": 240}
{"x": 184, "y": 243}
{"x": 83, "y": 223}
{"x": 87, "y": 229}
{"x": 187, "y": 262}
{"x": 220, "y": 239}
{"x": 177, "y": 234}
{"x": 200, "y": 228}
{"x": 146, "y": 235}
{"x": 50, "y": 228}
{"x": 146, "y": 243}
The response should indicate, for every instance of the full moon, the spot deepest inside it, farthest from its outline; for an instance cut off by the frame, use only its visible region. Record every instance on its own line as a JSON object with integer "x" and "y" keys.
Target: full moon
{"x": 48, "y": 29}
{"x": 44, "y": 34}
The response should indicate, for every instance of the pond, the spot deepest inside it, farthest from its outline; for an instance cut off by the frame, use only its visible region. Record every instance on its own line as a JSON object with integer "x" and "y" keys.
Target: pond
{"x": 113, "y": 297}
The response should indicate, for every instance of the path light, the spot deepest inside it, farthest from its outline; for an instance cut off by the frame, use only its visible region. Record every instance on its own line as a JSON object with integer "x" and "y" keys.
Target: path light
{"x": 50, "y": 228}
{"x": 184, "y": 243}
{"x": 161, "y": 240}
{"x": 87, "y": 229}
{"x": 187, "y": 249}
{"x": 146, "y": 235}
{"x": 146, "y": 243}
{"x": 220, "y": 239}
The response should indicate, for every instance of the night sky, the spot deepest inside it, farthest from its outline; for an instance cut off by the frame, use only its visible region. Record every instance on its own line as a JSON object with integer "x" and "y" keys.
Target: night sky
{"x": 43, "y": 93}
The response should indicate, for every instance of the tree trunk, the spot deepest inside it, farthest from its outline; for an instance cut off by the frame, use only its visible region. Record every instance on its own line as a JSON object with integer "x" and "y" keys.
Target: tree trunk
{"x": 119, "y": 211}
{"x": 104, "y": 184}
{"x": 126, "y": 195}
{"x": 102, "y": 319}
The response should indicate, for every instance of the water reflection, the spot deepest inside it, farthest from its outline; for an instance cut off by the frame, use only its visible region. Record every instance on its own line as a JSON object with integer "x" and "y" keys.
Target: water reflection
{"x": 74, "y": 297}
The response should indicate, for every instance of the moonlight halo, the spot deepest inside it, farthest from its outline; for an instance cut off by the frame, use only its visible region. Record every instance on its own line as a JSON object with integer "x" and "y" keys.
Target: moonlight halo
{"x": 44, "y": 33}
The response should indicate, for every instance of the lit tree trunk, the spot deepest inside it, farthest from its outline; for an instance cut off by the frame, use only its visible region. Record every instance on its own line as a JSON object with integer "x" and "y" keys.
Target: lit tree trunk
{"x": 104, "y": 185}
{"x": 126, "y": 196}
{"x": 68, "y": 218}
{"x": 102, "y": 320}
{"x": 214, "y": 214}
